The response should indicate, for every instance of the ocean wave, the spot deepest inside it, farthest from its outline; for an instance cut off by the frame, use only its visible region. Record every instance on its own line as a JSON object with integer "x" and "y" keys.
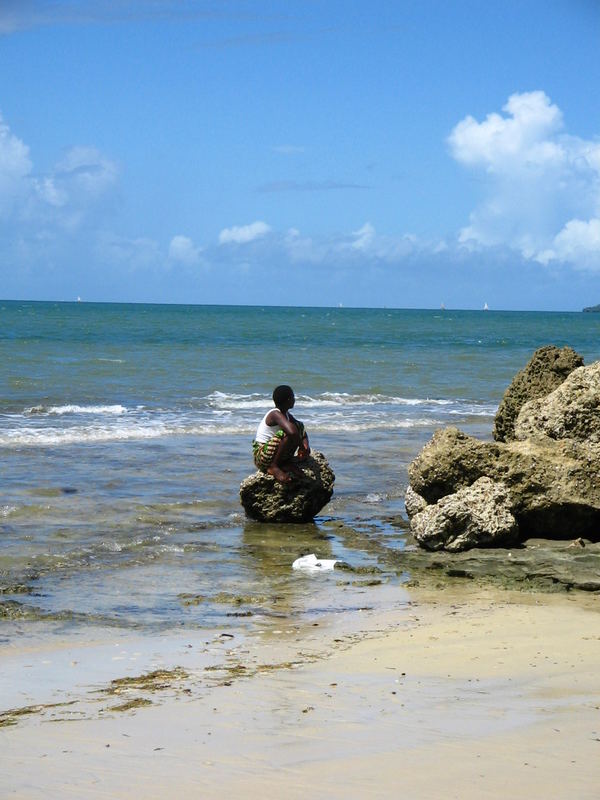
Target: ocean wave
{"x": 75, "y": 409}
{"x": 222, "y": 400}
{"x": 96, "y": 434}
{"x": 384, "y": 424}
{"x": 79, "y": 434}
{"x": 474, "y": 411}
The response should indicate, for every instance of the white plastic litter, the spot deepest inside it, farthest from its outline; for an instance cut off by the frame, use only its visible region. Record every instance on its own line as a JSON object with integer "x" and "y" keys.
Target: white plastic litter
{"x": 313, "y": 564}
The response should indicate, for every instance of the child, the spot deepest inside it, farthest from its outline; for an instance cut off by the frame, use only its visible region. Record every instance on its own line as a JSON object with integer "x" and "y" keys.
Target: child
{"x": 278, "y": 437}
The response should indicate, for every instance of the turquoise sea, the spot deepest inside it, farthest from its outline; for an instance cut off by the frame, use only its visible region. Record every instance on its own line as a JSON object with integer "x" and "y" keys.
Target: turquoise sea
{"x": 125, "y": 431}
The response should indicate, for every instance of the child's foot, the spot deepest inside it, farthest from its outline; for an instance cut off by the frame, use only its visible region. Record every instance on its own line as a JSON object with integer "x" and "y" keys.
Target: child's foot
{"x": 279, "y": 474}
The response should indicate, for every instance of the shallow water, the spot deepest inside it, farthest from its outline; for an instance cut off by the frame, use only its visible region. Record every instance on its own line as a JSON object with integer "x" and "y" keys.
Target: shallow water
{"x": 125, "y": 432}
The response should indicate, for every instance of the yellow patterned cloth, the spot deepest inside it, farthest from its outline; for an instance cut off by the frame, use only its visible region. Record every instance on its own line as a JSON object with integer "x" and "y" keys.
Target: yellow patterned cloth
{"x": 264, "y": 452}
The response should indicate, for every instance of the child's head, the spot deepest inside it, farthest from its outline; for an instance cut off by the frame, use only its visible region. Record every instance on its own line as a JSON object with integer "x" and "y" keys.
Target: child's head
{"x": 283, "y": 396}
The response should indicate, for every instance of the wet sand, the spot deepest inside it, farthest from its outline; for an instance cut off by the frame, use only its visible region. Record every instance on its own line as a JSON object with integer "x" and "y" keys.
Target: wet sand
{"x": 460, "y": 693}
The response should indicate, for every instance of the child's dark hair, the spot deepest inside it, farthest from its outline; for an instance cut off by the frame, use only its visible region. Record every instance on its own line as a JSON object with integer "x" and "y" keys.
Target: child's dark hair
{"x": 281, "y": 394}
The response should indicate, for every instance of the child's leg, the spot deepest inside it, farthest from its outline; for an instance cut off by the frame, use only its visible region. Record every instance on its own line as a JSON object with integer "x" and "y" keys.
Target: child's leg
{"x": 274, "y": 457}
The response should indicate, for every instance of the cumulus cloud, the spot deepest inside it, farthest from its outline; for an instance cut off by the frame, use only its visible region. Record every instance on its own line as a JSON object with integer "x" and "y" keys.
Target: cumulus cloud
{"x": 86, "y": 170}
{"x": 243, "y": 234}
{"x": 133, "y": 252}
{"x": 543, "y": 185}
{"x": 15, "y": 168}
{"x": 359, "y": 247}
{"x": 363, "y": 237}
{"x": 62, "y": 195}
{"x": 183, "y": 251}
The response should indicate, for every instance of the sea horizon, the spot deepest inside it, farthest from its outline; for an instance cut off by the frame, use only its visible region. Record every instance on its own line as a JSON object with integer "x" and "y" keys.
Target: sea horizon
{"x": 276, "y": 305}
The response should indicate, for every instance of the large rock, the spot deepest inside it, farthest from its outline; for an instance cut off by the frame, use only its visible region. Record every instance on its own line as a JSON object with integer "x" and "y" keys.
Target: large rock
{"x": 547, "y": 369}
{"x": 553, "y": 486}
{"x": 549, "y": 472}
{"x": 477, "y": 516}
{"x": 572, "y": 411}
{"x": 267, "y": 500}
{"x": 450, "y": 461}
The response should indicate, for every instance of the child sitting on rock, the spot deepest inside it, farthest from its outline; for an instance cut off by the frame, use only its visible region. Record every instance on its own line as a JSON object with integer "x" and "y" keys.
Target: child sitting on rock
{"x": 278, "y": 437}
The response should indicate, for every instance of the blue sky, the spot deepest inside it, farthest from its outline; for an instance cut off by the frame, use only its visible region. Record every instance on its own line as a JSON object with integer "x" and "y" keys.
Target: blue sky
{"x": 376, "y": 153}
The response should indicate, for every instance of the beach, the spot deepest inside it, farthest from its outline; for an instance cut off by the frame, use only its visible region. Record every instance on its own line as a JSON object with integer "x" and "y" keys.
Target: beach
{"x": 468, "y": 693}
{"x": 155, "y": 642}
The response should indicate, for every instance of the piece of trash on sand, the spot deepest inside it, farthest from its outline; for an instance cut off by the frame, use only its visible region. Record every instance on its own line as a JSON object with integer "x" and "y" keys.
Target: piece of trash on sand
{"x": 313, "y": 564}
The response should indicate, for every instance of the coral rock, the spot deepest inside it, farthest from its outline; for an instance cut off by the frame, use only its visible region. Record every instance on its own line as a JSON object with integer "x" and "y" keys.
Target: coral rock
{"x": 267, "y": 500}
{"x": 548, "y": 368}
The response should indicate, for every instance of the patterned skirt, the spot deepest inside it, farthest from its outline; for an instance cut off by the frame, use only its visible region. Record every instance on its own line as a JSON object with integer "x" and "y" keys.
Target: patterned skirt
{"x": 264, "y": 452}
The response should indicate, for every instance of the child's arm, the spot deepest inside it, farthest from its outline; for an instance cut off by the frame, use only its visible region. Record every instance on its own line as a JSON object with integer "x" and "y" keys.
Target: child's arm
{"x": 275, "y": 417}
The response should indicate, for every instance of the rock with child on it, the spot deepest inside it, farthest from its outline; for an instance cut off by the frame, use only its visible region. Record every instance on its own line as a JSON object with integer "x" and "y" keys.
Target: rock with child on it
{"x": 267, "y": 500}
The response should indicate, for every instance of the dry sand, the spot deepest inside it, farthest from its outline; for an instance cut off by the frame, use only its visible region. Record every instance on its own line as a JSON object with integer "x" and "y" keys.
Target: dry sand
{"x": 459, "y": 694}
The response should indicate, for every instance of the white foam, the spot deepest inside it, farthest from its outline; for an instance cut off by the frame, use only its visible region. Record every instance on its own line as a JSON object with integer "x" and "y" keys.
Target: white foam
{"x": 221, "y": 400}
{"x": 375, "y": 497}
{"x": 76, "y": 435}
{"x": 76, "y": 409}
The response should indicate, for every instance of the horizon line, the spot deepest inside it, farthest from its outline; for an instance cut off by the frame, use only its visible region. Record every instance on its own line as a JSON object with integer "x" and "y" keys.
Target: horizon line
{"x": 339, "y": 307}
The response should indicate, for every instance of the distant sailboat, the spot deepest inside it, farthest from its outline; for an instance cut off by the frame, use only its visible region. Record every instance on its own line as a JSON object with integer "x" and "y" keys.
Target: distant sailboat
{"x": 79, "y": 299}
{"x": 486, "y": 307}
{"x": 442, "y": 307}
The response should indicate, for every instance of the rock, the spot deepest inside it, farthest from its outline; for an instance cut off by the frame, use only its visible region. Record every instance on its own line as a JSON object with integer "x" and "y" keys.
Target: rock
{"x": 477, "y": 516}
{"x": 267, "y": 500}
{"x": 549, "y": 471}
{"x": 450, "y": 461}
{"x": 554, "y": 486}
{"x": 539, "y": 564}
{"x": 413, "y": 502}
{"x": 547, "y": 369}
{"x": 571, "y": 411}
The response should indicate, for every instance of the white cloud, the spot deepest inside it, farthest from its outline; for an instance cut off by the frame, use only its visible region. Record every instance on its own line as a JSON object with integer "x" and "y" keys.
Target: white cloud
{"x": 519, "y": 137}
{"x": 579, "y": 241}
{"x": 86, "y": 171}
{"x": 243, "y": 234}
{"x": 60, "y": 197}
{"x": 133, "y": 252}
{"x": 543, "y": 186}
{"x": 182, "y": 250}
{"x": 363, "y": 237}
{"x": 15, "y": 168}
{"x": 359, "y": 247}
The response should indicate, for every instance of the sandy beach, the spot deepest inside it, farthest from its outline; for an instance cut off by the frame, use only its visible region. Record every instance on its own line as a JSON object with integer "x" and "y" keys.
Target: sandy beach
{"x": 465, "y": 693}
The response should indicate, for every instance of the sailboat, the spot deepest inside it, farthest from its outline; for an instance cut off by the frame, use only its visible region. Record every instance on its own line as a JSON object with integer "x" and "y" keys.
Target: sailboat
{"x": 486, "y": 307}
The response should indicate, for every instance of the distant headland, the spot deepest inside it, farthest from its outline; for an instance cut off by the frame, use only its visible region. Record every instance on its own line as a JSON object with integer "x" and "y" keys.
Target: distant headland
{"x": 592, "y": 308}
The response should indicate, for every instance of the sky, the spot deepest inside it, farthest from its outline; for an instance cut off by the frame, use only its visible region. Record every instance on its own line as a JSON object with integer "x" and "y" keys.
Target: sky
{"x": 399, "y": 153}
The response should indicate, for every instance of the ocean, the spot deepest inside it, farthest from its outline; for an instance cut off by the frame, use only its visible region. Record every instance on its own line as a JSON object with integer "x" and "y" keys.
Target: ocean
{"x": 125, "y": 431}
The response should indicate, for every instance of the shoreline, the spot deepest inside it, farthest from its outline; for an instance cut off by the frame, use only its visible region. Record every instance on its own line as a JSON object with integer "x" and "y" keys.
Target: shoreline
{"x": 470, "y": 692}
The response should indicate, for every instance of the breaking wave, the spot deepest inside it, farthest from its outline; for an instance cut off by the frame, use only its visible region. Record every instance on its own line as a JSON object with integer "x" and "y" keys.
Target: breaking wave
{"x": 220, "y": 413}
